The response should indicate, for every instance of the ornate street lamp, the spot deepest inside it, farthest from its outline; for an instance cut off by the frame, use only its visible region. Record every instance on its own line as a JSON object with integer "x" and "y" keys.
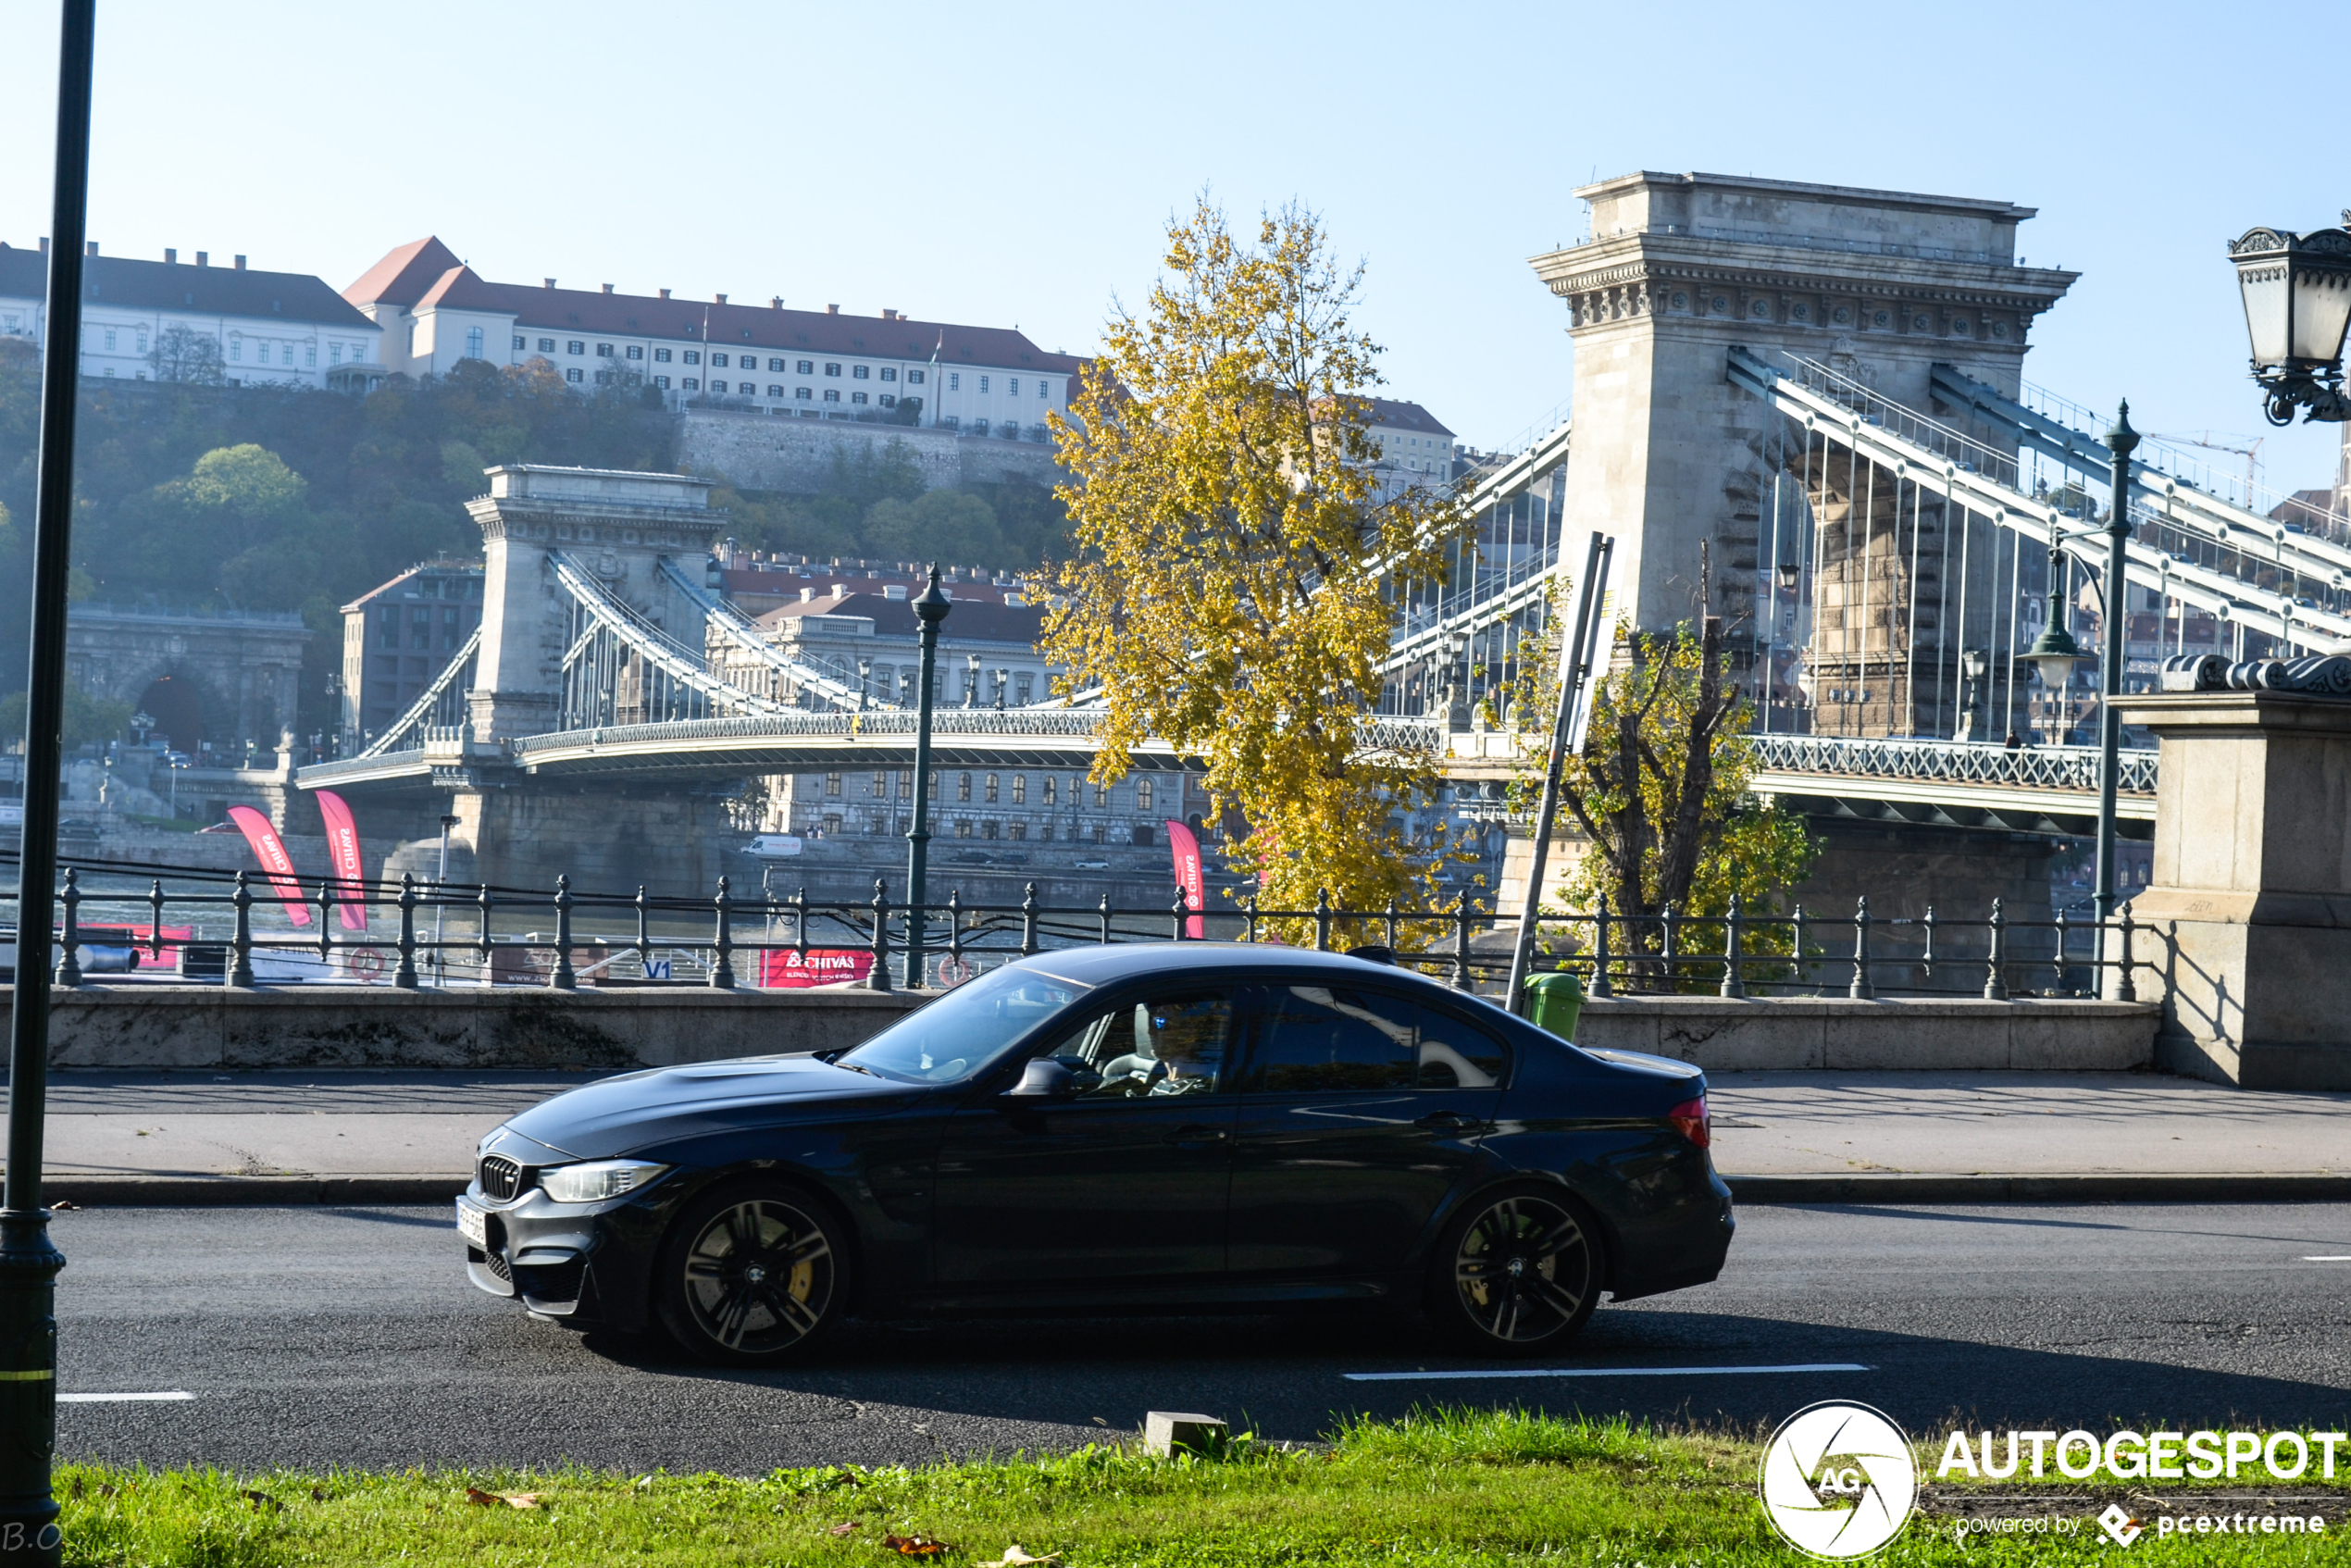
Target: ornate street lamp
{"x": 930, "y": 607}
{"x": 2297, "y": 302}
{"x": 2054, "y": 652}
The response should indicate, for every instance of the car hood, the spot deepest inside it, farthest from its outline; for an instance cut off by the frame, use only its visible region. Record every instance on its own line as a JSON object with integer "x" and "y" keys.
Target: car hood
{"x": 614, "y": 1115}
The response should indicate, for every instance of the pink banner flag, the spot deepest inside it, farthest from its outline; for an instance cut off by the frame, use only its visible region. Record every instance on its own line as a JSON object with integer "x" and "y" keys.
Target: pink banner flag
{"x": 277, "y": 866}
{"x": 1186, "y": 843}
{"x": 343, "y": 854}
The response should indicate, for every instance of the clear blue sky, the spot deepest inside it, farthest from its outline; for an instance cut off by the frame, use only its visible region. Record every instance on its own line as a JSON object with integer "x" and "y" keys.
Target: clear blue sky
{"x": 1015, "y": 164}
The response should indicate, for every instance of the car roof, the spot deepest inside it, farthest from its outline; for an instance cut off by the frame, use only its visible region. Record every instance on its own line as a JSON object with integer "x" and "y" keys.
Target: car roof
{"x": 1124, "y": 961}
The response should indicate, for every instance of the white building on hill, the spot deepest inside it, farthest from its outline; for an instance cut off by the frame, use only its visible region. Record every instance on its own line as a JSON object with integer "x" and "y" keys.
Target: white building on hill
{"x": 271, "y": 328}
{"x": 436, "y": 312}
{"x": 1415, "y": 448}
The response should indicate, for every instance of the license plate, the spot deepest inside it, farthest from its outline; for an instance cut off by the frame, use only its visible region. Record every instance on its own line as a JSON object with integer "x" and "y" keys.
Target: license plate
{"x": 473, "y": 1224}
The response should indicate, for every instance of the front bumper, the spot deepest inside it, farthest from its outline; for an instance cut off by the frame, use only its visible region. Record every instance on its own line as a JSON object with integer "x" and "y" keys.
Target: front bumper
{"x": 584, "y": 1262}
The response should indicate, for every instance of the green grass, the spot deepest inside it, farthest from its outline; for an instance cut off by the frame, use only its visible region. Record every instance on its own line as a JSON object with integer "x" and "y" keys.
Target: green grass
{"x": 1459, "y": 1489}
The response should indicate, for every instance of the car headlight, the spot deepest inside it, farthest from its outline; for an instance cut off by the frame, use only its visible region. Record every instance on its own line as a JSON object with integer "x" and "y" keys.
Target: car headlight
{"x": 598, "y": 1179}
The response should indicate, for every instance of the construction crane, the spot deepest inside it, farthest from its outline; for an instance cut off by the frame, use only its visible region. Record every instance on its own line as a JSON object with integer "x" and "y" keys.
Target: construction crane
{"x": 2252, "y": 455}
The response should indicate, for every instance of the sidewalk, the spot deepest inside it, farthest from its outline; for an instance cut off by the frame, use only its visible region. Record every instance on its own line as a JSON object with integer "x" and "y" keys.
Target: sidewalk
{"x": 408, "y": 1136}
{"x": 1997, "y": 1137}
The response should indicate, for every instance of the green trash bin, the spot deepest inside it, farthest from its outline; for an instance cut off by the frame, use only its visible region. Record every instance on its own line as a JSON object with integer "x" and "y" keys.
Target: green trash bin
{"x": 1558, "y": 1002}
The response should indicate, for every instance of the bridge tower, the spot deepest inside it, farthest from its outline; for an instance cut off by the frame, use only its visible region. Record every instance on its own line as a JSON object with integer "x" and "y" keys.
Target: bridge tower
{"x": 613, "y": 526}
{"x": 1878, "y": 285}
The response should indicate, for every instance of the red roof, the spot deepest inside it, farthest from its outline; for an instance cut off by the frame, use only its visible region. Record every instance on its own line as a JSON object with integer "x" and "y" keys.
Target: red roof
{"x": 427, "y": 275}
{"x": 402, "y": 277}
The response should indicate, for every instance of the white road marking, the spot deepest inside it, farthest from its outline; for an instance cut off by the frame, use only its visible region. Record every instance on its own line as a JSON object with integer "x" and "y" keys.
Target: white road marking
{"x": 1611, "y": 1372}
{"x": 2328, "y": 1258}
{"x": 118, "y": 1399}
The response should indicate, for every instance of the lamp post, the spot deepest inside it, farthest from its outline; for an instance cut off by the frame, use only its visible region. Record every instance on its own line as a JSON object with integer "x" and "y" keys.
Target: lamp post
{"x": 930, "y": 607}
{"x": 2054, "y": 652}
{"x": 2297, "y": 302}
{"x": 29, "y": 1260}
{"x": 1788, "y": 573}
{"x": 440, "y": 905}
{"x": 2120, "y": 440}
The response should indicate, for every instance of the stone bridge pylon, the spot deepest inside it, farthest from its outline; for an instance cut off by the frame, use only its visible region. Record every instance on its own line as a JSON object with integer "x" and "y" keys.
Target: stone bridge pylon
{"x": 614, "y": 527}
{"x": 1882, "y": 285}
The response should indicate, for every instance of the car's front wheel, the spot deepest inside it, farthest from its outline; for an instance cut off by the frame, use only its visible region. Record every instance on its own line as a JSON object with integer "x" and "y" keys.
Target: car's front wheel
{"x": 752, "y": 1274}
{"x": 1517, "y": 1271}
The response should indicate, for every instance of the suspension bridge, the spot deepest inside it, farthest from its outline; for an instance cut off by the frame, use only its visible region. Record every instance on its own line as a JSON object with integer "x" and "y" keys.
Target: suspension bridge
{"x": 1843, "y": 419}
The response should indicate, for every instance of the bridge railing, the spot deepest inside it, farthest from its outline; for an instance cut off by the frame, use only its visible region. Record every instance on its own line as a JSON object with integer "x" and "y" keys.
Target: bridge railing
{"x": 412, "y": 934}
{"x": 1385, "y": 733}
{"x": 1954, "y": 762}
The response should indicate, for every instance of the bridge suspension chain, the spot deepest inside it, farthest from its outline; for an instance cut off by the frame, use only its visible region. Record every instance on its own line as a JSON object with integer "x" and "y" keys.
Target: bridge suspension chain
{"x": 742, "y": 634}
{"x": 441, "y": 706}
{"x": 619, "y": 667}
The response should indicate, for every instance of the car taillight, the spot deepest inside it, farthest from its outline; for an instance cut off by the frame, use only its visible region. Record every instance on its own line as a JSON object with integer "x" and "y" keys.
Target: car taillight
{"x": 1689, "y": 1120}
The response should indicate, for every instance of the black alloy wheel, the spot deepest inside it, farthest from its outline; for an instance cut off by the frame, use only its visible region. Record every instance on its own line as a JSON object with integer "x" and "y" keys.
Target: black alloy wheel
{"x": 752, "y": 1274}
{"x": 1517, "y": 1271}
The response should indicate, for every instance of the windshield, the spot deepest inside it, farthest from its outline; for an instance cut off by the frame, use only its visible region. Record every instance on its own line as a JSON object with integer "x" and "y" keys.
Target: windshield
{"x": 965, "y": 1030}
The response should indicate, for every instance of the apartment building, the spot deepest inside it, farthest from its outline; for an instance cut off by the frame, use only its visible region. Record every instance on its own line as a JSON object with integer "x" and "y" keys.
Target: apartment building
{"x": 397, "y": 639}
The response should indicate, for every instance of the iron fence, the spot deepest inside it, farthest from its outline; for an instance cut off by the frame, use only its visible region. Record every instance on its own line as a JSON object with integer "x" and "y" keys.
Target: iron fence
{"x": 765, "y": 941}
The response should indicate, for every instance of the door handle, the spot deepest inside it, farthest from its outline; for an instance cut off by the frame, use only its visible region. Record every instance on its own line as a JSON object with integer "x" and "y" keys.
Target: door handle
{"x": 1445, "y": 1121}
{"x": 1196, "y": 1136}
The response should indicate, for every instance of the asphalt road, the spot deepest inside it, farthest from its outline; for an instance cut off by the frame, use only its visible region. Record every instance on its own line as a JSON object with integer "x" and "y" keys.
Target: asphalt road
{"x": 312, "y": 1338}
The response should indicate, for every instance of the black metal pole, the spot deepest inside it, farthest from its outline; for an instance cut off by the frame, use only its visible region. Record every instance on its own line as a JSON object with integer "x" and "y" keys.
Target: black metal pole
{"x": 1574, "y": 664}
{"x": 930, "y": 607}
{"x": 2120, "y": 440}
{"x": 29, "y": 1260}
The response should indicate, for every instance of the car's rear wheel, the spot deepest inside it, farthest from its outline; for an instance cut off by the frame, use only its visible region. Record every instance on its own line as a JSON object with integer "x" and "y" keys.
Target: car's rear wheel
{"x": 1517, "y": 1271}
{"x": 752, "y": 1274}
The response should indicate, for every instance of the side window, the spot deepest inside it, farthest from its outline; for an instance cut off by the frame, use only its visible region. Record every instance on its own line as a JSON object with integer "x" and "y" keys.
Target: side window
{"x": 1453, "y": 1054}
{"x": 1317, "y": 1040}
{"x": 1175, "y": 1044}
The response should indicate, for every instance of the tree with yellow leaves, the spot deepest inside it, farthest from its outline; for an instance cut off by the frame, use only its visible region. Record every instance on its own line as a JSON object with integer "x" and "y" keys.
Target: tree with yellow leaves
{"x": 1228, "y": 587}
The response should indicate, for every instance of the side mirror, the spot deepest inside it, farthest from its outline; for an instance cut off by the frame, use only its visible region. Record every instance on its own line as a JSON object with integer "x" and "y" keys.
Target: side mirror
{"x": 1044, "y": 1078}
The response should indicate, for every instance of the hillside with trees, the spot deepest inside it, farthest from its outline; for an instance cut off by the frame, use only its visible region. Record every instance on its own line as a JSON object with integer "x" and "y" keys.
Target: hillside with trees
{"x": 189, "y": 492}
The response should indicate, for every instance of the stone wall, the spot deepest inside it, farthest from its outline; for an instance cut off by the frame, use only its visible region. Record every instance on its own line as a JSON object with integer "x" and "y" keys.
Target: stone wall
{"x": 1833, "y": 1033}
{"x": 762, "y": 452}
{"x": 518, "y": 1026}
{"x": 373, "y": 1027}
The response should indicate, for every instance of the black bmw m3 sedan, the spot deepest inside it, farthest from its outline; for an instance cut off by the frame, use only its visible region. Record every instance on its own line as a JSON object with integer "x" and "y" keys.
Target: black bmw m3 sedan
{"x": 1170, "y": 1126}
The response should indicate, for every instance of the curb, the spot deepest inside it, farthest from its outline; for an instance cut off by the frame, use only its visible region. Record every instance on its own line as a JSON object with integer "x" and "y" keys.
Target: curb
{"x": 194, "y": 1191}
{"x": 2185, "y": 1187}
